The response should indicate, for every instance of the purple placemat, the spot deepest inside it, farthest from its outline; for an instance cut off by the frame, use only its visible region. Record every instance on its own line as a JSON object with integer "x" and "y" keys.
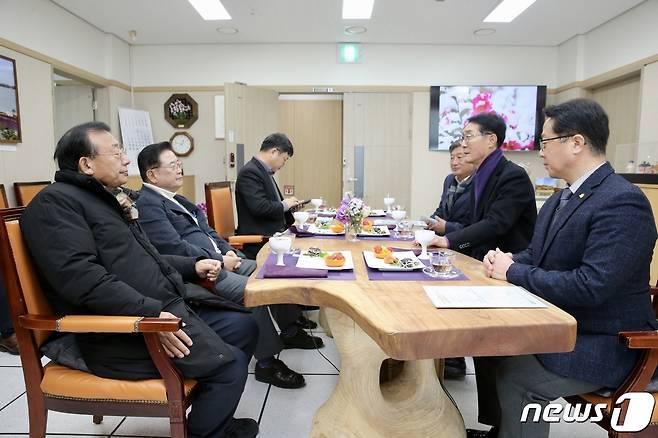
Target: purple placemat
{"x": 417, "y": 275}
{"x": 291, "y": 262}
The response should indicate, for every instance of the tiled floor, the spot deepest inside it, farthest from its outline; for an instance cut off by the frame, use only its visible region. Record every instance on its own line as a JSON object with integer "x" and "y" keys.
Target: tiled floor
{"x": 282, "y": 413}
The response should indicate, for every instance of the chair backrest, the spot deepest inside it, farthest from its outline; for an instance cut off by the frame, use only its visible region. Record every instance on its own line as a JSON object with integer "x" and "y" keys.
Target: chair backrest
{"x": 25, "y": 191}
{"x": 219, "y": 204}
{"x": 23, "y": 288}
{"x": 3, "y": 197}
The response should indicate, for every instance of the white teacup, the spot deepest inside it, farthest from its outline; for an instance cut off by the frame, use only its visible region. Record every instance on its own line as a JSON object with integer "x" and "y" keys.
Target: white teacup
{"x": 398, "y": 215}
{"x": 317, "y": 202}
{"x": 424, "y": 237}
{"x": 388, "y": 202}
{"x": 300, "y": 218}
{"x": 279, "y": 246}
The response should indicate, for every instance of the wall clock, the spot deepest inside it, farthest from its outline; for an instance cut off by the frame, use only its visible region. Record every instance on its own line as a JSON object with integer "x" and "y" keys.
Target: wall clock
{"x": 182, "y": 143}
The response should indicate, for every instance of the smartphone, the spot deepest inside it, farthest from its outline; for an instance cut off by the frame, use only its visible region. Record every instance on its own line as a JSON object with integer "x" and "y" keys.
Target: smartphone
{"x": 430, "y": 220}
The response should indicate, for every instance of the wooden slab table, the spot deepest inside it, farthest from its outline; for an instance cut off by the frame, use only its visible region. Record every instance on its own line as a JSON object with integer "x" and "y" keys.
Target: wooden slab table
{"x": 375, "y": 320}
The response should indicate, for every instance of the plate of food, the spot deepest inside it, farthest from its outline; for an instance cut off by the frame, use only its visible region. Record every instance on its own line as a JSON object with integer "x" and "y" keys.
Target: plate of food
{"x": 377, "y": 213}
{"x": 316, "y": 258}
{"x": 333, "y": 228}
{"x": 374, "y": 231}
{"x": 385, "y": 259}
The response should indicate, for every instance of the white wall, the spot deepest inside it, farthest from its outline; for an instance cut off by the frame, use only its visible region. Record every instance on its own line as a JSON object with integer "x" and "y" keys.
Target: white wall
{"x": 42, "y": 26}
{"x": 33, "y": 158}
{"x": 315, "y": 64}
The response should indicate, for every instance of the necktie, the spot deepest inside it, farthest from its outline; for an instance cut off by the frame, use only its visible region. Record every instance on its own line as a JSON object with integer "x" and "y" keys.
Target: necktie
{"x": 564, "y": 198}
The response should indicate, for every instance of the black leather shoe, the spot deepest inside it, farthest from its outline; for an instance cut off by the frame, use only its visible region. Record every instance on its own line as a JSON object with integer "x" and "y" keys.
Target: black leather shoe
{"x": 241, "y": 428}
{"x": 280, "y": 375}
{"x": 455, "y": 368}
{"x": 302, "y": 340}
{"x": 306, "y": 323}
{"x": 475, "y": 433}
{"x": 9, "y": 344}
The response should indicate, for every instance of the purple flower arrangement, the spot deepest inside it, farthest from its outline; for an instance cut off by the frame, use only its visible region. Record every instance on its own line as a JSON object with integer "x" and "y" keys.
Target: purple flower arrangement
{"x": 352, "y": 211}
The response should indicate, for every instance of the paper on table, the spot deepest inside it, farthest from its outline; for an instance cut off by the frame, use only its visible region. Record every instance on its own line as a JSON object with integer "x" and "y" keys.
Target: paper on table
{"x": 474, "y": 297}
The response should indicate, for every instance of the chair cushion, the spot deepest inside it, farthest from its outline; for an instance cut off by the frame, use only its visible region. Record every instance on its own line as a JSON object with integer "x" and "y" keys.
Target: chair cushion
{"x": 594, "y": 399}
{"x": 62, "y": 382}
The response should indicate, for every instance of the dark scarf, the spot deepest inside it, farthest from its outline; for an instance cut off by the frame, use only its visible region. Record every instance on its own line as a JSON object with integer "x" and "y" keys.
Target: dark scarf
{"x": 455, "y": 191}
{"x": 483, "y": 173}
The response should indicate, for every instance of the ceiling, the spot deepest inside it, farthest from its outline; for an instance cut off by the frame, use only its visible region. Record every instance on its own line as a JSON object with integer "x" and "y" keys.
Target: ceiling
{"x": 545, "y": 23}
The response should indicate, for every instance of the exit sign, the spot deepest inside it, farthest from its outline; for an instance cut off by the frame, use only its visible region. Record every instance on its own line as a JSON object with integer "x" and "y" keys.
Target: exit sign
{"x": 349, "y": 53}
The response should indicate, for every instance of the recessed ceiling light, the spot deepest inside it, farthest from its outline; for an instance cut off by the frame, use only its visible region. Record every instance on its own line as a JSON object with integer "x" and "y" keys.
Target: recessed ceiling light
{"x": 227, "y": 30}
{"x": 354, "y": 30}
{"x": 484, "y": 31}
{"x": 508, "y": 10}
{"x": 357, "y": 9}
{"x": 210, "y": 9}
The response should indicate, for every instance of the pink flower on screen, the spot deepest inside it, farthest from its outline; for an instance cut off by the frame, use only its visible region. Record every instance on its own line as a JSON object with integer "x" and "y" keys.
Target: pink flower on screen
{"x": 513, "y": 145}
{"x": 482, "y": 103}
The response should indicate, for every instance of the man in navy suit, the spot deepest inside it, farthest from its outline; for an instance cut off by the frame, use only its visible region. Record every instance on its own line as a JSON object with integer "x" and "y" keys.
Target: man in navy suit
{"x": 454, "y": 210}
{"x": 174, "y": 225}
{"x": 590, "y": 255}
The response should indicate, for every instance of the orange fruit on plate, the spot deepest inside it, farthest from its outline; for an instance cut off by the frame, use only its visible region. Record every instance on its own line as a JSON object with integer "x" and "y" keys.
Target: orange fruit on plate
{"x": 382, "y": 251}
{"x": 337, "y": 227}
{"x": 367, "y": 225}
{"x": 334, "y": 260}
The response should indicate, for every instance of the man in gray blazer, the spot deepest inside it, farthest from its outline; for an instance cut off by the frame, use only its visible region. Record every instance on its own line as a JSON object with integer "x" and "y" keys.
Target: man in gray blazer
{"x": 174, "y": 225}
{"x": 590, "y": 255}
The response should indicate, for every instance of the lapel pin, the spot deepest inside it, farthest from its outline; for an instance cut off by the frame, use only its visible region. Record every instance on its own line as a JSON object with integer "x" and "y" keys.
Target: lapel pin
{"x": 581, "y": 196}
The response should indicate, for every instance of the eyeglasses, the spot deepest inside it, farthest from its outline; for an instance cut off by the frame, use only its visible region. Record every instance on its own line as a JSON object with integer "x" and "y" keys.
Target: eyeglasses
{"x": 543, "y": 141}
{"x": 120, "y": 152}
{"x": 468, "y": 137}
{"x": 172, "y": 166}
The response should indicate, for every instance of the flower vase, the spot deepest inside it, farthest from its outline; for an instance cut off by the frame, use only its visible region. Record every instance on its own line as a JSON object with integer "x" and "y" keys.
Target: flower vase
{"x": 352, "y": 230}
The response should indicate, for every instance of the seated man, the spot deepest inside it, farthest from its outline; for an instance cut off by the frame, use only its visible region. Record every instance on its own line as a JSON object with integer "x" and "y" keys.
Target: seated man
{"x": 93, "y": 259}
{"x": 454, "y": 210}
{"x": 454, "y": 213}
{"x": 590, "y": 255}
{"x": 175, "y": 225}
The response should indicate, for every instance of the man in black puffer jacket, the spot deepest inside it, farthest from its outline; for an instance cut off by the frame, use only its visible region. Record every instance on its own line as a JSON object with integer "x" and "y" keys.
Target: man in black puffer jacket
{"x": 92, "y": 258}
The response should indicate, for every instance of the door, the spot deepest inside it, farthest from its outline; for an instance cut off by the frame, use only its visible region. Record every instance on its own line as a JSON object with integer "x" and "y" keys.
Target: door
{"x": 314, "y": 124}
{"x": 251, "y": 114}
{"x": 73, "y": 106}
{"x": 377, "y": 147}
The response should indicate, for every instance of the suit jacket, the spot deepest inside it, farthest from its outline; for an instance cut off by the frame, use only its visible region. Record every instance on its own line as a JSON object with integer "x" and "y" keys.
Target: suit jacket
{"x": 258, "y": 201}
{"x": 594, "y": 263}
{"x": 173, "y": 231}
{"x": 504, "y": 216}
{"x": 460, "y": 213}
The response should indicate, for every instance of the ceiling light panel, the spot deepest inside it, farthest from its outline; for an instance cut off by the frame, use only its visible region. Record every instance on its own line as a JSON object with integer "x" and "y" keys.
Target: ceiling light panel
{"x": 210, "y": 9}
{"x": 357, "y": 9}
{"x": 508, "y": 10}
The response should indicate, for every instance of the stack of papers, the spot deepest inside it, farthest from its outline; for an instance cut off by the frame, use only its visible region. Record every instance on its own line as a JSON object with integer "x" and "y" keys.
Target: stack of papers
{"x": 482, "y": 297}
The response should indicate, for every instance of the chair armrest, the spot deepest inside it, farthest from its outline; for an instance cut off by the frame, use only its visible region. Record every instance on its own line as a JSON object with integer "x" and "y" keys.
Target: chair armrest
{"x": 247, "y": 238}
{"x": 639, "y": 339}
{"x": 100, "y": 324}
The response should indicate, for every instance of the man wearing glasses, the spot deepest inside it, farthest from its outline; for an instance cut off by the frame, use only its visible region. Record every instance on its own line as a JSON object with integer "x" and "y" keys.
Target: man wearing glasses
{"x": 590, "y": 255}
{"x": 95, "y": 260}
{"x": 503, "y": 209}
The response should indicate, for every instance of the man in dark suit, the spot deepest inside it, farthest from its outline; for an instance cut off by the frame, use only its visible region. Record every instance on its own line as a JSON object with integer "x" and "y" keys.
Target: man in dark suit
{"x": 176, "y": 226}
{"x": 96, "y": 260}
{"x": 454, "y": 213}
{"x": 503, "y": 209}
{"x": 261, "y": 207}
{"x": 590, "y": 255}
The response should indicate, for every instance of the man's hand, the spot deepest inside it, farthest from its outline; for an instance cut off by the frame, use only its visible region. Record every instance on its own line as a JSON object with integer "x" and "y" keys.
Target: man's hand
{"x": 291, "y": 202}
{"x": 208, "y": 268}
{"x": 231, "y": 262}
{"x": 175, "y": 343}
{"x": 488, "y": 262}
{"x": 231, "y": 253}
{"x": 438, "y": 227}
{"x": 439, "y": 241}
{"x": 501, "y": 263}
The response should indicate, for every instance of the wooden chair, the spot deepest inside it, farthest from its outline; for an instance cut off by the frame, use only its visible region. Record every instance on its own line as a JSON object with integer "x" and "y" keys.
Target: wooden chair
{"x": 58, "y": 388}
{"x": 637, "y": 380}
{"x": 3, "y": 197}
{"x": 219, "y": 204}
{"x": 25, "y": 191}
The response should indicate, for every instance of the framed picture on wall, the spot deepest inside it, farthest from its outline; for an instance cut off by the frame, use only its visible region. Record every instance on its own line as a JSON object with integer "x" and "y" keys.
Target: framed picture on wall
{"x": 10, "y": 121}
{"x": 181, "y": 111}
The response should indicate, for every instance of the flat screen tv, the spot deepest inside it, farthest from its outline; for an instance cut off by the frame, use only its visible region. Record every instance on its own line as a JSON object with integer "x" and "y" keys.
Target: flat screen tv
{"x": 520, "y": 106}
